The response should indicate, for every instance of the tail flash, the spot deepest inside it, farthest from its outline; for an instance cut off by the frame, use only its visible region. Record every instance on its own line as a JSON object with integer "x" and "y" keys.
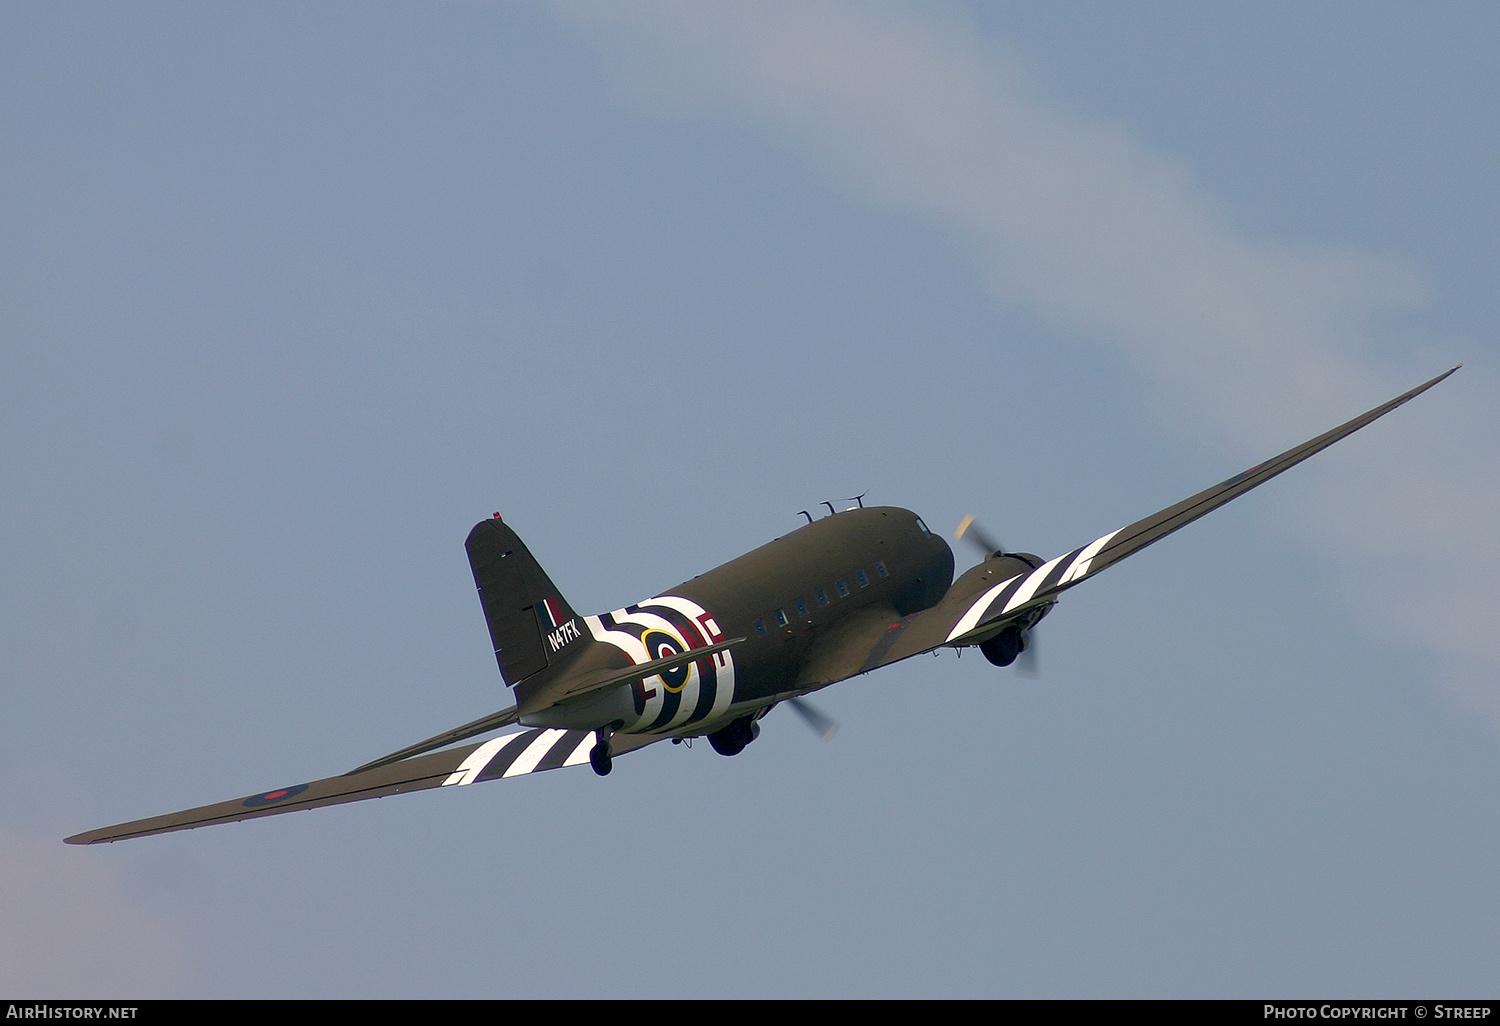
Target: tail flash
{"x": 528, "y": 619}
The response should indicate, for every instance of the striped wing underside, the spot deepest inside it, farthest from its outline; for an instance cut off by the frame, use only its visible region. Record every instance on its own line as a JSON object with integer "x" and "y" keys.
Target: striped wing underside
{"x": 976, "y": 609}
{"x": 510, "y": 755}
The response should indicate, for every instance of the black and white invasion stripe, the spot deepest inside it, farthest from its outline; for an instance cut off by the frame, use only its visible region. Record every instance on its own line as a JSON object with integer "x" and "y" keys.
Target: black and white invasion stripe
{"x": 530, "y": 751}
{"x": 1014, "y": 592}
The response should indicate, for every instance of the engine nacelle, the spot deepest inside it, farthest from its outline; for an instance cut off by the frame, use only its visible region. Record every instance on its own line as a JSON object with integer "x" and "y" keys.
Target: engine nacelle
{"x": 732, "y": 738}
{"x": 1021, "y": 563}
{"x": 1003, "y": 648}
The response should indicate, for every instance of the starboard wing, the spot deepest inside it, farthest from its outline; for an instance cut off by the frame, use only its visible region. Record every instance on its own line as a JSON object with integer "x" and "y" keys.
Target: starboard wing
{"x": 510, "y": 755}
{"x": 982, "y": 602}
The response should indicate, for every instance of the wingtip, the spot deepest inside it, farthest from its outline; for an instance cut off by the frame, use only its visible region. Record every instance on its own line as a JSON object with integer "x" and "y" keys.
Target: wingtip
{"x": 1424, "y": 386}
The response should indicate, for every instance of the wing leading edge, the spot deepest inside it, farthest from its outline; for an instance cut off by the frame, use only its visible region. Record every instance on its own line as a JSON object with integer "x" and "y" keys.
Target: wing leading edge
{"x": 510, "y": 755}
{"x": 979, "y": 603}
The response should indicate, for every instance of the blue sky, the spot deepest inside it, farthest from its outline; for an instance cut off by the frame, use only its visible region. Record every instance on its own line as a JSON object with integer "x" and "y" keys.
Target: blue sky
{"x": 294, "y": 295}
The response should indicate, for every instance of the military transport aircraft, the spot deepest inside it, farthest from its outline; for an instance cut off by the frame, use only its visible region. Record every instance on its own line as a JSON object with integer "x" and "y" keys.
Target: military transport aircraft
{"x": 840, "y": 596}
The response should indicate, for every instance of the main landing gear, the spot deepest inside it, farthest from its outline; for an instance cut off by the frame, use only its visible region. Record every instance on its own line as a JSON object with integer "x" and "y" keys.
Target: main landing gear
{"x": 600, "y": 756}
{"x": 729, "y": 739}
{"x": 1004, "y": 647}
{"x": 732, "y": 738}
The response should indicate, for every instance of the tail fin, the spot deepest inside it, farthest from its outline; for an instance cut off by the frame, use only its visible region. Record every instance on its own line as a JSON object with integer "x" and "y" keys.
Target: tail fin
{"x": 527, "y": 616}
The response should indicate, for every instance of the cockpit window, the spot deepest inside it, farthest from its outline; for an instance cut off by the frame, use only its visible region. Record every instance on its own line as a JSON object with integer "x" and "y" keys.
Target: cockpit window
{"x": 923, "y": 527}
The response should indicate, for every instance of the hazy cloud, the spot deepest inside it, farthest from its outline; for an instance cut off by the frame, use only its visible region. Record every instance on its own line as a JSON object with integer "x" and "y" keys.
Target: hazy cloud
{"x": 1265, "y": 341}
{"x": 67, "y": 929}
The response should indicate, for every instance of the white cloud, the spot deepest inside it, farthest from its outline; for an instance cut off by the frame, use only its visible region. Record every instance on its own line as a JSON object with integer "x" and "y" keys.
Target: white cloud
{"x": 1265, "y": 341}
{"x": 68, "y": 930}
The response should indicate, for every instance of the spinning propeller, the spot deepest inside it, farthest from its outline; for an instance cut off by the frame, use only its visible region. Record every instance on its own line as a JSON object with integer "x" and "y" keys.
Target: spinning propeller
{"x": 1027, "y": 663}
{"x": 970, "y": 528}
{"x": 822, "y": 724}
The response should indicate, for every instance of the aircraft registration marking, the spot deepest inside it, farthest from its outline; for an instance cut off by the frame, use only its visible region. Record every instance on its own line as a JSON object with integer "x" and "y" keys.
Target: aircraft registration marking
{"x": 564, "y": 634}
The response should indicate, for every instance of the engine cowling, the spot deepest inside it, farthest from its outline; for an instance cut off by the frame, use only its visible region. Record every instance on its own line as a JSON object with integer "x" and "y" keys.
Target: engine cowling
{"x": 1005, "y": 647}
{"x": 1021, "y": 563}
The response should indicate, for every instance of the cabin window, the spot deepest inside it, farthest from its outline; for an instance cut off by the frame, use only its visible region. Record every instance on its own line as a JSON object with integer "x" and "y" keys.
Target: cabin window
{"x": 843, "y": 589}
{"x": 821, "y": 596}
{"x": 859, "y": 575}
{"x": 760, "y": 627}
{"x": 881, "y": 570}
{"x": 781, "y": 619}
{"x": 802, "y": 607}
{"x": 923, "y": 527}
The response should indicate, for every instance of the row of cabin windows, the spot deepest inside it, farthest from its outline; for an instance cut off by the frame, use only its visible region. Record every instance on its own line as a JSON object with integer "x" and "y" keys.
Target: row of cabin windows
{"x": 821, "y": 597}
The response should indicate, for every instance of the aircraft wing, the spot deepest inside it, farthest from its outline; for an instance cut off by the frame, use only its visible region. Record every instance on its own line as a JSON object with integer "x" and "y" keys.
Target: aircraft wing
{"x": 980, "y": 602}
{"x": 510, "y": 755}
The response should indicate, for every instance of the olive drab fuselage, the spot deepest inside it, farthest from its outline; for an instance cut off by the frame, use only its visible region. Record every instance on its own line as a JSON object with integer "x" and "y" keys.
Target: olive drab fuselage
{"x": 781, "y": 600}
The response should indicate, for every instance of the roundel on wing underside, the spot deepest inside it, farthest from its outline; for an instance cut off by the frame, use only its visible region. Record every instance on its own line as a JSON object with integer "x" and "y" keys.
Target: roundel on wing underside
{"x": 661, "y": 645}
{"x": 272, "y": 797}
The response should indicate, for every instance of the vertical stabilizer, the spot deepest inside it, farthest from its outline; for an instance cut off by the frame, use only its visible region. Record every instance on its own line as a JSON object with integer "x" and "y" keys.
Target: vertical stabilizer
{"x": 527, "y": 617}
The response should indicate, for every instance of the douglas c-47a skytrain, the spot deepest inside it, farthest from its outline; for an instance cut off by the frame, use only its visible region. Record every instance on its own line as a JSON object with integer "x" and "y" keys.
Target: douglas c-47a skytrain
{"x": 840, "y": 596}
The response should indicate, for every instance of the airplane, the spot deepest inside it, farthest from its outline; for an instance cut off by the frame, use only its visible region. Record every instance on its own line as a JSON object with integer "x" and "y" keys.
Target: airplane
{"x": 840, "y": 596}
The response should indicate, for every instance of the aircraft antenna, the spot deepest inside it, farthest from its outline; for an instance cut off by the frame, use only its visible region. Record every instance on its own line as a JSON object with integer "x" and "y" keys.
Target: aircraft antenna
{"x": 831, "y": 510}
{"x": 806, "y": 514}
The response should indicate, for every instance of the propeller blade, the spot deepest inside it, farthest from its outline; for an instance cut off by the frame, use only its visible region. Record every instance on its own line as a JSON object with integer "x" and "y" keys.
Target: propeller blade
{"x": 821, "y": 723}
{"x": 970, "y": 529}
{"x": 1028, "y": 663}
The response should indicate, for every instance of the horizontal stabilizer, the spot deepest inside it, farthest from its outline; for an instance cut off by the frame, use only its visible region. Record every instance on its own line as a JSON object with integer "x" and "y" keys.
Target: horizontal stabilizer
{"x": 565, "y": 689}
{"x": 568, "y": 689}
{"x": 483, "y": 725}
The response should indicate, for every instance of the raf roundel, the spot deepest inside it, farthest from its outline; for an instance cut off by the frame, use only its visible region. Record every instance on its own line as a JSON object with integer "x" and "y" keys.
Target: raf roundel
{"x": 661, "y": 645}
{"x": 272, "y": 797}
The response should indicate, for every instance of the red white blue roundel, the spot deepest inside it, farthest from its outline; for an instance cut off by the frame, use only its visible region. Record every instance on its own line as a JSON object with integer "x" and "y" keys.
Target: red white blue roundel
{"x": 658, "y": 629}
{"x": 273, "y": 797}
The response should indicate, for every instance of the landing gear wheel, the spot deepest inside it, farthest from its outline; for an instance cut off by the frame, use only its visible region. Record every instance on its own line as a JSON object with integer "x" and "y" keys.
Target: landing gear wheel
{"x": 729, "y": 740}
{"x": 1004, "y": 647}
{"x": 732, "y": 738}
{"x": 601, "y": 758}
